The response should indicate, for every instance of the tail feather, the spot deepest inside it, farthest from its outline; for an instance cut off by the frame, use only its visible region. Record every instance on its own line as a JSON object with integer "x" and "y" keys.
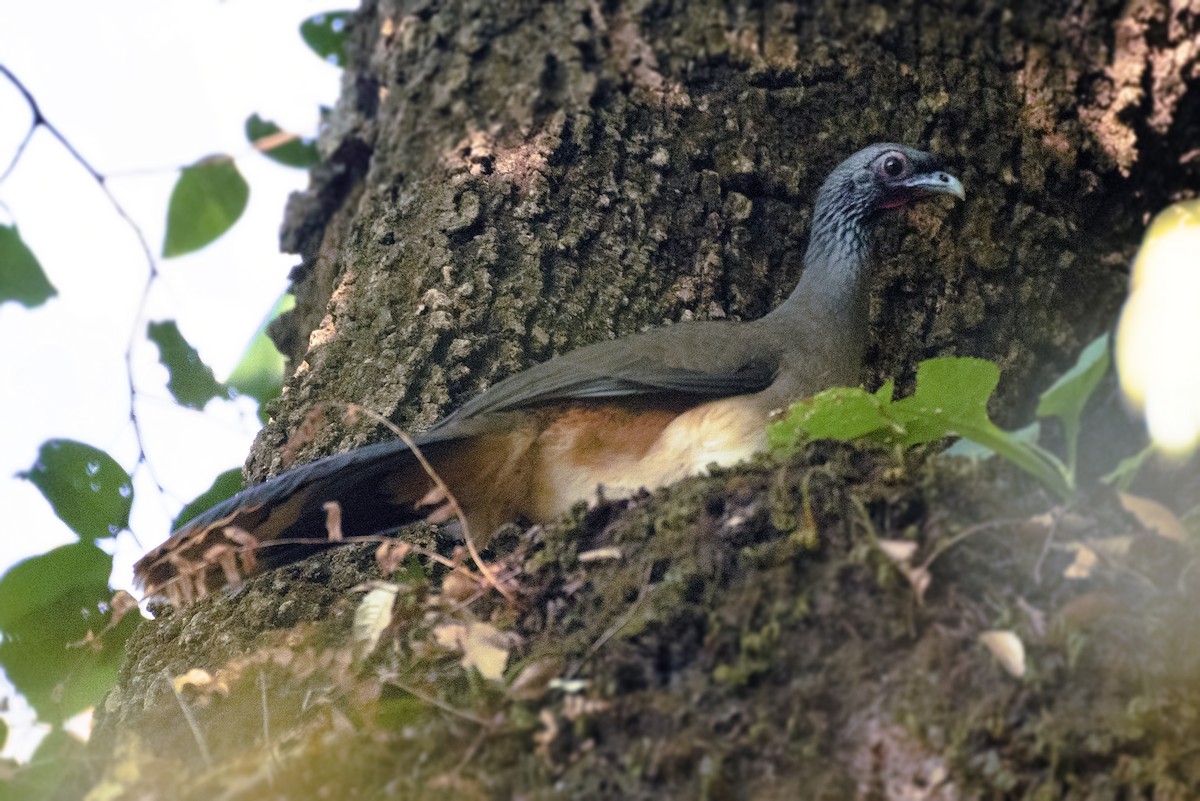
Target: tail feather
{"x": 375, "y": 489}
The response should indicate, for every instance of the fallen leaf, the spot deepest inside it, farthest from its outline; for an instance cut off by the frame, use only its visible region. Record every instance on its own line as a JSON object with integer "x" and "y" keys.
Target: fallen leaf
{"x": 373, "y": 616}
{"x": 483, "y": 647}
{"x": 458, "y": 587}
{"x": 1008, "y": 650}
{"x": 1153, "y": 516}
{"x": 898, "y": 550}
{"x": 391, "y": 554}
{"x": 1085, "y": 560}
{"x": 200, "y": 679}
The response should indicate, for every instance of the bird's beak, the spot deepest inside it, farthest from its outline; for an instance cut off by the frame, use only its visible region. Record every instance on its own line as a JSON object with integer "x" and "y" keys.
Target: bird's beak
{"x": 935, "y": 183}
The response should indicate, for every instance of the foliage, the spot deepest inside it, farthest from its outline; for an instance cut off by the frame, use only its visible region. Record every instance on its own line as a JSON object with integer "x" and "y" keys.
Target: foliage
{"x": 275, "y": 144}
{"x": 86, "y": 487}
{"x": 61, "y": 640}
{"x": 191, "y": 381}
{"x": 326, "y": 35}
{"x": 951, "y": 399}
{"x": 207, "y": 200}
{"x": 61, "y": 661}
{"x": 21, "y": 276}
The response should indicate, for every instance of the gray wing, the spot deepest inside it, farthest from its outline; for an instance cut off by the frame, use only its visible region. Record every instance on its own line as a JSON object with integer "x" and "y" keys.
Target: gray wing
{"x": 704, "y": 359}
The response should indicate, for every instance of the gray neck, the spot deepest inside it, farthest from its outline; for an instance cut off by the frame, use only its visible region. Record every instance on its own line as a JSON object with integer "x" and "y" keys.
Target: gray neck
{"x": 829, "y": 307}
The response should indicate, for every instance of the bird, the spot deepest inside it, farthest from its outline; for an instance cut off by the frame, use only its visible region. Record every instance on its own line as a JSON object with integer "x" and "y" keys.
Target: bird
{"x": 637, "y": 412}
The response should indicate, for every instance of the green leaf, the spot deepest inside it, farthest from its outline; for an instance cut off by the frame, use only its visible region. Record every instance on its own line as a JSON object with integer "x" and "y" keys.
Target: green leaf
{"x": 59, "y": 768}
{"x": 951, "y": 393}
{"x": 326, "y": 35}
{"x": 293, "y": 153}
{"x": 21, "y": 276}
{"x": 85, "y": 486}
{"x": 48, "y": 605}
{"x": 950, "y": 400}
{"x": 840, "y": 413}
{"x": 40, "y": 581}
{"x": 1128, "y": 468}
{"x": 207, "y": 200}
{"x": 224, "y": 486}
{"x": 259, "y": 374}
{"x": 190, "y": 380}
{"x": 1069, "y": 395}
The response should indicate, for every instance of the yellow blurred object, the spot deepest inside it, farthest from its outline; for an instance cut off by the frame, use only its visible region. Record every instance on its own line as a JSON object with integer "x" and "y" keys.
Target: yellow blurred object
{"x": 1158, "y": 339}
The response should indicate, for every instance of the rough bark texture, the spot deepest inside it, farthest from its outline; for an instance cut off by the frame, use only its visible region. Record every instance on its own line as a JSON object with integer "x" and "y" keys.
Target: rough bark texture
{"x": 507, "y": 180}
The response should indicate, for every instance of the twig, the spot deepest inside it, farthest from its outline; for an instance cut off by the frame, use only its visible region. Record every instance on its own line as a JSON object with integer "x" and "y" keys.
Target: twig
{"x": 190, "y": 718}
{"x": 39, "y": 120}
{"x": 484, "y": 570}
{"x": 969, "y": 531}
{"x": 440, "y": 704}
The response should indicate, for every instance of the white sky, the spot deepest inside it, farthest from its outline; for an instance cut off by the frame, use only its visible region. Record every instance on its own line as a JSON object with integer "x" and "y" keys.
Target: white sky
{"x": 141, "y": 88}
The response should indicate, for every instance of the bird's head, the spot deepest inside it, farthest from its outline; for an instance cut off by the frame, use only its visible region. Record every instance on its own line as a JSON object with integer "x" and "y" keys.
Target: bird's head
{"x": 886, "y": 176}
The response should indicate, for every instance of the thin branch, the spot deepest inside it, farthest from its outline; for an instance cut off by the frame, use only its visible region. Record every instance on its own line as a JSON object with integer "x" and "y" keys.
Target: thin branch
{"x": 441, "y": 485}
{"x": 39, "y": 120}
{"x": 440, "y": 704}
{"x": 190, "y": 717}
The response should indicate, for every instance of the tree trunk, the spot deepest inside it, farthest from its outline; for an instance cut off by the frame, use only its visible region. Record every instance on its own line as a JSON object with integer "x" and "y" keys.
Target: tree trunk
{"x": 508, "y": 180}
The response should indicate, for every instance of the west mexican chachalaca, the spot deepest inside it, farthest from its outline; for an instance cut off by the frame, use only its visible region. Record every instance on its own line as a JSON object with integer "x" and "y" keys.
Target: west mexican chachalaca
{"x": 639, "y": 411}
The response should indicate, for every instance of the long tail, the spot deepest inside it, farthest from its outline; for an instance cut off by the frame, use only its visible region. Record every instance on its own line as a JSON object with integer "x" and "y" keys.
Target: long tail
{"x": 361, "y": 492}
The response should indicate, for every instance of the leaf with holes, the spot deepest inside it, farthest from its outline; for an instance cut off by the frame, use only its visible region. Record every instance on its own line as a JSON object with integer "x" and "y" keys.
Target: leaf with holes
{"x": 22, "y": 279}
{"x": 207, "y": 200}
{"x": 277, "y": 145}
{"x": 56, "y": 647}
{"x": 326, "y": 35}
{"x": 85, "y": 486}
{"x": 190, "y": 380}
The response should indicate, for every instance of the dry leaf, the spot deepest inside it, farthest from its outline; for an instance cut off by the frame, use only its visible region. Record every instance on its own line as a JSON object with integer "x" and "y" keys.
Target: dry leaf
{"x": 546, "y": 737}
{"x": 898, "y": 550}
{"x": 373, "y": 616}
{"x": 200, "y": 679}
{"x": 1154, "y": 516}
{"x": 458, "y": 587}
{"x": 1085, "y": 560}
{"x": 1008, "y": 650}
{"x": 333, "y": 520}
{"x": 901, "y": 553}
{"x": 483, "y": 647}
{"x": 391, "y": 554}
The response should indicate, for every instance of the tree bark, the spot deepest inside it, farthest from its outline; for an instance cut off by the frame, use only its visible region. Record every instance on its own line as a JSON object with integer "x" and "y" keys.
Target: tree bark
{"x": 509, "y": 180}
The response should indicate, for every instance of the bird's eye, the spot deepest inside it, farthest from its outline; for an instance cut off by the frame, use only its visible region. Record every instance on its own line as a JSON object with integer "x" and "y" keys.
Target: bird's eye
{"x": 893, "y": 166}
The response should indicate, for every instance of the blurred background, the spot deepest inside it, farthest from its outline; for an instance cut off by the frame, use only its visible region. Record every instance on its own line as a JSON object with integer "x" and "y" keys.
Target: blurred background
{"x": 140, "y": 90}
